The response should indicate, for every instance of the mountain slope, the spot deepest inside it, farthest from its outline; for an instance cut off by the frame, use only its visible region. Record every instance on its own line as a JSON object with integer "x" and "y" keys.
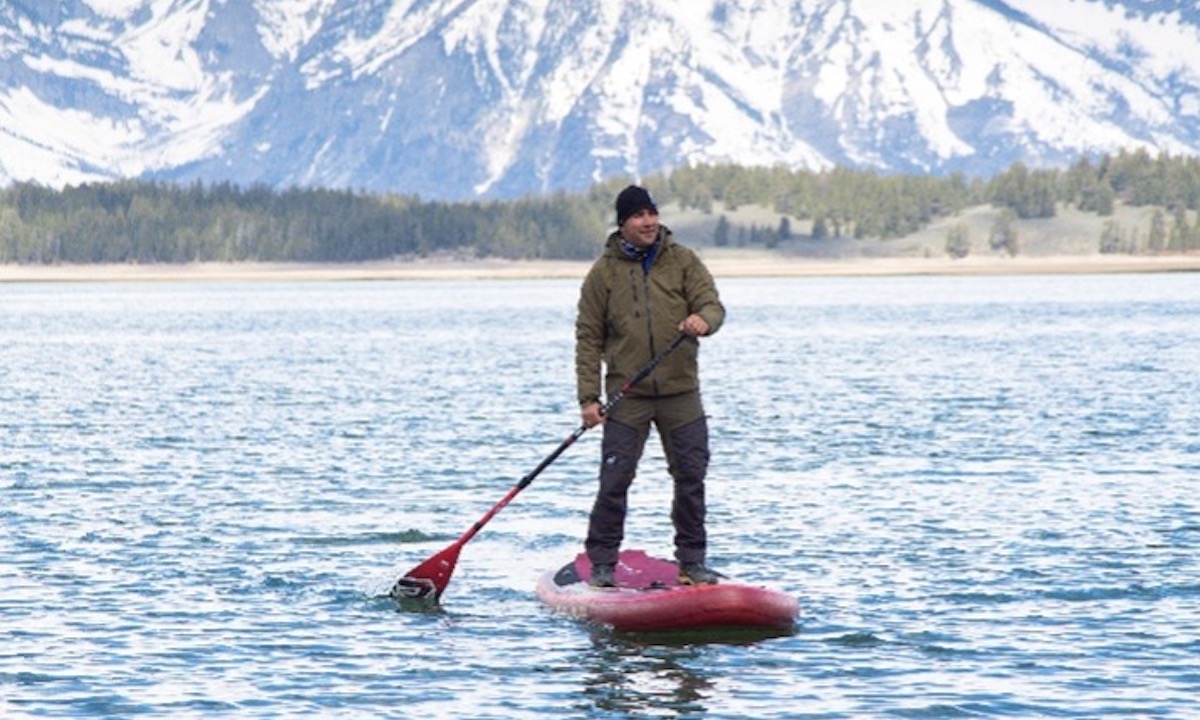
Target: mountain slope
{"x": 498, "y": 98}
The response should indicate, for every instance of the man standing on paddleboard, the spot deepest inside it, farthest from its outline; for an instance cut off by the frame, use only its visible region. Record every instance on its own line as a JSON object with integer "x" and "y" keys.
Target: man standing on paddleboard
{"x": 643, "y": 291}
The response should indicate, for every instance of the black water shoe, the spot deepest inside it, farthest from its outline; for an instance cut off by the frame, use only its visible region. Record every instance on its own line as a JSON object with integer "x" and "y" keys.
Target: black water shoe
{"x": 602, "y": 576}
{"x": 695, "y": 573}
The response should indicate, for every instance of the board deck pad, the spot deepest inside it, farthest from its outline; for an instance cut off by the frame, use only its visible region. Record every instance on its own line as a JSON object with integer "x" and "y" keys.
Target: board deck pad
{"x": 635, "y": 569}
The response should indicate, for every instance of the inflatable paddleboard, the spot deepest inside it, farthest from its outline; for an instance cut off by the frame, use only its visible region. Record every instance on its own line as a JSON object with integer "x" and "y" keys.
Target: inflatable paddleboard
{"x": 649, "y": 598}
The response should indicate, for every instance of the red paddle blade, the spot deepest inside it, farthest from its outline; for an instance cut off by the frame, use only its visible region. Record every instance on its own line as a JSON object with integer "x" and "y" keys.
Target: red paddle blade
{"x": 428, "y": 580}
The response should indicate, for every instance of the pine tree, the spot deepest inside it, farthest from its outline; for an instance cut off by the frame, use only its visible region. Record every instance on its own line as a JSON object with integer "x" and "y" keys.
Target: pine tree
{"x": 721, "y": 232}
{"x": 958, "y": 241}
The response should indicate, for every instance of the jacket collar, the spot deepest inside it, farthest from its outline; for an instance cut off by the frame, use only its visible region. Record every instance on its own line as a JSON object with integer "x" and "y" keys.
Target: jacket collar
{"x": 613, "y": 245}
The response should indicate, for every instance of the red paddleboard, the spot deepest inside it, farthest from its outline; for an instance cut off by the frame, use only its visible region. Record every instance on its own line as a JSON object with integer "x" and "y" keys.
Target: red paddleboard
{"x": 649, "y": 598}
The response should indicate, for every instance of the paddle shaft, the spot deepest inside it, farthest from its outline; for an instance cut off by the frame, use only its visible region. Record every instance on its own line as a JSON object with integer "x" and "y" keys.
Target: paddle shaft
{"x": 430, "y": 578}
{"x": 616, "y": 397}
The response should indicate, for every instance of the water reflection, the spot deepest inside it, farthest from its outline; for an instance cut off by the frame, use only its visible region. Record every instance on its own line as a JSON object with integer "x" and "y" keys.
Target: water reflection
{"x": 630, "y": 677}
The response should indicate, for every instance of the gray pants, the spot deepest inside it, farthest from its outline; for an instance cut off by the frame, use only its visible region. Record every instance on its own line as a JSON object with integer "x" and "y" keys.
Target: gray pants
{"x": 683, "y": 428}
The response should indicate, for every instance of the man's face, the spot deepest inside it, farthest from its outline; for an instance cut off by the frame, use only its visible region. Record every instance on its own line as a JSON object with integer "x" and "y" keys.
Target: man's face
{"x": 641, "y": 228}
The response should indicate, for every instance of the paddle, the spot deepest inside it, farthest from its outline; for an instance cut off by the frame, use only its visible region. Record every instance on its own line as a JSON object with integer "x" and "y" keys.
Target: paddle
{"x": 428, "y": 580}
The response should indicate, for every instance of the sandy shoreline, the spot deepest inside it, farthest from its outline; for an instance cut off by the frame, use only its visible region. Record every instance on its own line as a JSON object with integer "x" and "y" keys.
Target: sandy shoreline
{"x": 730, "y": 264}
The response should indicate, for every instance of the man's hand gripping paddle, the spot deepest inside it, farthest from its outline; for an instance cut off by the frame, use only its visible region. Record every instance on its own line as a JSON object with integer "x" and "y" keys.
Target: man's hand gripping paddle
{"x": 428, "y": 580}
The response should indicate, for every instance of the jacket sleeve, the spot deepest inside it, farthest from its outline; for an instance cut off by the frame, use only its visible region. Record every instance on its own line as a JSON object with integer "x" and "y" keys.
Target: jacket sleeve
{"x": 702, "y": 296}
{"x": 590, "y": 329}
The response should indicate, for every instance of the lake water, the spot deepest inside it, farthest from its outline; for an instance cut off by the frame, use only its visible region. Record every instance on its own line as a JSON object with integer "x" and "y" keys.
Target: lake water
{"x": 983, "y": 491}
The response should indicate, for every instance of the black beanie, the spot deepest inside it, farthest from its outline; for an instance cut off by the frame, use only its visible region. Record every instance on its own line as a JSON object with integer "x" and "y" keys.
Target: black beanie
{"x": 631, "y": 200}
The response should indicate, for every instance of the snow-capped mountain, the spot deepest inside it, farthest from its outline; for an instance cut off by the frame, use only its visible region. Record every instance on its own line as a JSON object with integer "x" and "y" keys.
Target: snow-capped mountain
{"x": 498, "y": 98}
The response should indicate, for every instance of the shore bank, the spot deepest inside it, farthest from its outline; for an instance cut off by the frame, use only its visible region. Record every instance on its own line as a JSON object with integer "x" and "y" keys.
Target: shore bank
{"x": 722, "y": 264}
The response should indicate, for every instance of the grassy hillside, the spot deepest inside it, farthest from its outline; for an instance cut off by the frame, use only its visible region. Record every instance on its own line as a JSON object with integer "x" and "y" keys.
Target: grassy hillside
{"x": 1071, "y": 232}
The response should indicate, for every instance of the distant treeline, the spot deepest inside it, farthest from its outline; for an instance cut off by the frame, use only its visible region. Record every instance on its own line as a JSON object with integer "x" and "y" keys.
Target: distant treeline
{"x": 154, "y": 222}
{"x": 151, "y": 222}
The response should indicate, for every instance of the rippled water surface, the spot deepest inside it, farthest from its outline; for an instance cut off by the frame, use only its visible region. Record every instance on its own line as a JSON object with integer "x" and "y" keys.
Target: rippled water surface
{"x": 982, "y": 490}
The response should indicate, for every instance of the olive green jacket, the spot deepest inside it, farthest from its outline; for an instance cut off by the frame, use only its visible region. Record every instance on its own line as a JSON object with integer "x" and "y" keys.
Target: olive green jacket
{"x": 627, "y": 315}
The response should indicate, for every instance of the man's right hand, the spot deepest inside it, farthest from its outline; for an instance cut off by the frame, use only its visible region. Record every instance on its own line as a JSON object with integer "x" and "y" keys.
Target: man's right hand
{"x": 590, "y": 414}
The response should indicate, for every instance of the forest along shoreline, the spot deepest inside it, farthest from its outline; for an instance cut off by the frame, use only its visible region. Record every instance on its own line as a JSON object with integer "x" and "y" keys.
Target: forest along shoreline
{"x": 722, "y": 263}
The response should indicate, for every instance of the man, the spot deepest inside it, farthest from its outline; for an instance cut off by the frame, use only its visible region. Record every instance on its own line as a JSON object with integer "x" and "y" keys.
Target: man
{"x": 639, "y": 295}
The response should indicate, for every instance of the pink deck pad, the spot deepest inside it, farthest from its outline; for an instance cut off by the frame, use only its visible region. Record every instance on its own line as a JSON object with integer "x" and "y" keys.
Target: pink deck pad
{"x": 635, "y": 569}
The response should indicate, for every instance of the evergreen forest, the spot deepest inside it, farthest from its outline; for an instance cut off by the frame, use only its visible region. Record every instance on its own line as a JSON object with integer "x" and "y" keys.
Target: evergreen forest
{"x": 155, "y": 222}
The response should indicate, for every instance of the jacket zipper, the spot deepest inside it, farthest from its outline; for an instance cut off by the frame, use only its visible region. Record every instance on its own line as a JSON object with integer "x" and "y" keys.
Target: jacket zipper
{"x": 649, "y": 318}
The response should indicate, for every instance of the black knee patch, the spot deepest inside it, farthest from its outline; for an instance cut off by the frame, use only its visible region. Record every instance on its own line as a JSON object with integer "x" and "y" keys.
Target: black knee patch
{"x": 689, "y": 444}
